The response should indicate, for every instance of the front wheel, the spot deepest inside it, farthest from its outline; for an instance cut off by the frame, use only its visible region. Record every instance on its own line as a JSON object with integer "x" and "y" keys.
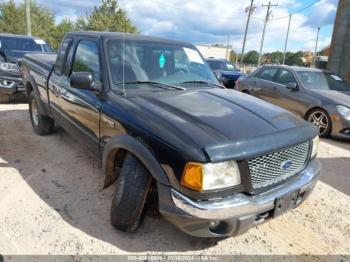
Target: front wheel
{"x": 133, "y": 185}
{"x": 42, "y": 125}
{"x": 322, "y": 121}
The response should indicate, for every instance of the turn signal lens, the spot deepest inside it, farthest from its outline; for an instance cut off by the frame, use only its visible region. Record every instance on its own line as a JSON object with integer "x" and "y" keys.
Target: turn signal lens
{"x": 193, "y": 176}
{"x": 211, "y": 176}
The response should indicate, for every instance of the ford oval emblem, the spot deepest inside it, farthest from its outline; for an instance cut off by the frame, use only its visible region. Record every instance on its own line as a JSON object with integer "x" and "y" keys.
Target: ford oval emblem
{"x": 286, "y": 164}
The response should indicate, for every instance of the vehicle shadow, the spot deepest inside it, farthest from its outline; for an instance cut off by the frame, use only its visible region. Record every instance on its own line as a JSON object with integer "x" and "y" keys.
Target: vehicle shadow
{"x": 70, "y": 181}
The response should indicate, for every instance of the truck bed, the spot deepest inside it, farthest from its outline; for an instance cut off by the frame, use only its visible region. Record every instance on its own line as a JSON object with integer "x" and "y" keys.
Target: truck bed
{"x": 45, "y": 61}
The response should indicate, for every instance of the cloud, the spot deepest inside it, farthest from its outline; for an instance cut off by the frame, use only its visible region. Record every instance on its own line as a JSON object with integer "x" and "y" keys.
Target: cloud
{"x": 208, "y": 22}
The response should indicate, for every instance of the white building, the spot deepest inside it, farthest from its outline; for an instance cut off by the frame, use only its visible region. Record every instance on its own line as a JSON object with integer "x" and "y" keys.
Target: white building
{"x": 214, "y": 51}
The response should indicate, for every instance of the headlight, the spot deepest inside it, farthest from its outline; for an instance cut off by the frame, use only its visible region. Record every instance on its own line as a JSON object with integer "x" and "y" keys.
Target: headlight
{"x": 9, "y": 67}
{"x": 315, "y": 145}
{"x": 202, "y": 177}
{"x": 344, "y": 111}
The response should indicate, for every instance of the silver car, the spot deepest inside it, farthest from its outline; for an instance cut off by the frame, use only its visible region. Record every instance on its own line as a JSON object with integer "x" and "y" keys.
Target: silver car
{"x": 318, "y": 96}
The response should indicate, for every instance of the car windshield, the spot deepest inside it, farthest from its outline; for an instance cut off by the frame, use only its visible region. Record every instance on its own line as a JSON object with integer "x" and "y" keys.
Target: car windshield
{"x": 24, "y": 44}
{"x": 133, "y": 62}
{"x": 322, "y": 81}
{"x": 222, "y": 65}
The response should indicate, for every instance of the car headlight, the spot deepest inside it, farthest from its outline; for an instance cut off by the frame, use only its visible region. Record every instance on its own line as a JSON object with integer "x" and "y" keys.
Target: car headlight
{"x": 344, "y": 111}
{"x": 10, "y": 68}
{"x": 315, "y": 145}
{"x": 210, "y": 176}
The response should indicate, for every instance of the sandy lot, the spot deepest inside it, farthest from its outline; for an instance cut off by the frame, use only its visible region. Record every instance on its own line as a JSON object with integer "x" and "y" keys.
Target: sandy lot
{"x": 51, "y": 202}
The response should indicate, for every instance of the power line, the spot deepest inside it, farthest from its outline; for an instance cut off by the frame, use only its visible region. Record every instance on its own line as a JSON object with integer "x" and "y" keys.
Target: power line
{"x": 250, "y": 9}
{"x": 292, "y": 13}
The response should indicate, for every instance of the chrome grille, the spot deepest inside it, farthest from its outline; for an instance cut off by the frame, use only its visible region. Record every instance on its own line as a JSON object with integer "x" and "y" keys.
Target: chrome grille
{"x": 273, "y": 168}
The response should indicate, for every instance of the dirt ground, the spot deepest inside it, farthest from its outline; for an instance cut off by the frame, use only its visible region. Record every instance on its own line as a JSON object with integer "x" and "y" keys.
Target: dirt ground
{"x": 51, "y": 202}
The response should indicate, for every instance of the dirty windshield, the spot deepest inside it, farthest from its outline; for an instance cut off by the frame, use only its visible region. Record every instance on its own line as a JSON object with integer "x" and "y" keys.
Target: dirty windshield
{"x": 145, "y": 61}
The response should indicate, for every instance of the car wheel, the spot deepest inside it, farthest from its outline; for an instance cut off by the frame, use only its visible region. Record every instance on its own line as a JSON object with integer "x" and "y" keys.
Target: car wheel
{"x": 321, "y": 120}
{"x": 42, "y": 125}
{"x": 4, "y": 98}
{"x": 132, "y": 187}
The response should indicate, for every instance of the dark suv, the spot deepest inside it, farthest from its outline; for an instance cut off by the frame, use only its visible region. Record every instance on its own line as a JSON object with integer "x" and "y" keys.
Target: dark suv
{"x": 219, "y": 161}
{"x": 12, "y": 49}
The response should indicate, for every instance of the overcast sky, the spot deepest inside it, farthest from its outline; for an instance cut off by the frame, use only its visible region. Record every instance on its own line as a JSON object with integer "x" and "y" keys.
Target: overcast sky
{"x": 208, "y": 21}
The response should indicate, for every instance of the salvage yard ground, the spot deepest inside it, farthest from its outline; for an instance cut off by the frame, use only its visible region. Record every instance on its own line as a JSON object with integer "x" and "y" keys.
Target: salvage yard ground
{"x": 52, "y": 202}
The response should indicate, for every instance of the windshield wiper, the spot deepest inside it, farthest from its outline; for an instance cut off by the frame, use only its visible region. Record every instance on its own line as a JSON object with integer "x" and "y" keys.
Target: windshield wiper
{"x": 156, "y": 84}
{"x": 202, "y": 82}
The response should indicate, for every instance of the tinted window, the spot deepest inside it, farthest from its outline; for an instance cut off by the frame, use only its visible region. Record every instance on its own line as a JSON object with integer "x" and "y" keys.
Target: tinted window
{"x": 267, "y": 73}
{"x": 24, "y": 44}
{"x": 87, "y": 59}
{"x": 62, "y": 55}
{"x": 221, "y": 65}
{"x": 284, "y": 77}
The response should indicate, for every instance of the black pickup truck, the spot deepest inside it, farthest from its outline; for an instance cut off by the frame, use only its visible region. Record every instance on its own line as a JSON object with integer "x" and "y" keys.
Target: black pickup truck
{"x": 219, "y": 161}
{"x": 12, "y": 49}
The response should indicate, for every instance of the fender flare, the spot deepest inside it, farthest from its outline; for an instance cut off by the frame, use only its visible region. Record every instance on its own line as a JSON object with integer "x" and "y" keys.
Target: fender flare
{"x": 30, "y": 81}
{"x": 135, "y": 147}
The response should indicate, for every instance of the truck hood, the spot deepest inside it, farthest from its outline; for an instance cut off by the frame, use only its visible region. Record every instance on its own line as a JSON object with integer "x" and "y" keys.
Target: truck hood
{"x": 225, "y": 124}
{"x": 230, "y": 74}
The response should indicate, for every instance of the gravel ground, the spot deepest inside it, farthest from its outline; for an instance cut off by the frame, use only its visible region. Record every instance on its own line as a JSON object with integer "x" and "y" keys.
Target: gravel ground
{"x": 51, "y": 202}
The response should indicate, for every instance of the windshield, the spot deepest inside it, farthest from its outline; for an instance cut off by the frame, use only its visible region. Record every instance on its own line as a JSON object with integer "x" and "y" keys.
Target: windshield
{"x": 24, "y": 44}
{"x": 322, "y": 81}
{"x": 221, "y": 65}
{"x": 142, "y": 61}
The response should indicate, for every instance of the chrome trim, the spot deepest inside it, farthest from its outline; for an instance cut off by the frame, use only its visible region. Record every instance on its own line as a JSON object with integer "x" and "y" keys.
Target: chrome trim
{"x": 241, "y": 204}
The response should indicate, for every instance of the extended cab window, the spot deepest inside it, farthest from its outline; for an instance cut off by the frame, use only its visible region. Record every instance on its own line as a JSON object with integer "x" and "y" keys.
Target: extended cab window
{"x": 62, "y": 55}
{"x": 87, "y": 59}
{"x": 284, "y": 77}
{"x": 267, "y": 74}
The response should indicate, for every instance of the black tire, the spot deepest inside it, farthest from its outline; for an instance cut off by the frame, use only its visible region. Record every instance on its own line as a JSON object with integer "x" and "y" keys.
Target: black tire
{"x": 128, "y": 203}
{"x": 4, "y": 98}
{"x": 326, "y": 120}
{"x": 42, "y": 125}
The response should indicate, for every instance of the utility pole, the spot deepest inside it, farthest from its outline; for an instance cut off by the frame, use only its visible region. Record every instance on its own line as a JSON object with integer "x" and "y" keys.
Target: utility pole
{"x": 29, "y": 28}
{"x": 285, "y": 45}
{"x": 263, "y": 34}
{"x": 228, "y": 43}
{"x": 250, "y": 9}
{"x": 314, "y": 58}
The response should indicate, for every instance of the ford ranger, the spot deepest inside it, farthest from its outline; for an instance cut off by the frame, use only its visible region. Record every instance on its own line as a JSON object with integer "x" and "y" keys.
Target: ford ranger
{"x": 219, "y": 161}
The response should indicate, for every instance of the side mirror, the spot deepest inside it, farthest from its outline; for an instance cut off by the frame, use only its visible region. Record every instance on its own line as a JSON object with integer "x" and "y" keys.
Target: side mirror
{"x": 292, "y": 86}
{"x": 84, "y": 80}
{"x": 81, "y": 80}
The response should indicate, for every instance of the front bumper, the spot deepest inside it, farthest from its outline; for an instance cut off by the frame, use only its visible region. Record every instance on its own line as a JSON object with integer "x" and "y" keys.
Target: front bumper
{"x": 341, "y": 128}
{"x": 234, "y": 215}
{"x": 13, "y": 85}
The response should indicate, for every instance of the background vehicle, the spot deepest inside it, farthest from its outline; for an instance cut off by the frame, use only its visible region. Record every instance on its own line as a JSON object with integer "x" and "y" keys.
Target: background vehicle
{"x": 156, "y": 116}
{"x": 226, "y": 72}
{"x": 12, "y": 50}
{"x": 318, "y": 96}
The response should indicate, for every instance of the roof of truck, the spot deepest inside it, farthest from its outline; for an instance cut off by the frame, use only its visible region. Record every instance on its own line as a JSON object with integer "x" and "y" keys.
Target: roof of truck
{"x": 18, "y": 36}
{"x": 127, "y": 36}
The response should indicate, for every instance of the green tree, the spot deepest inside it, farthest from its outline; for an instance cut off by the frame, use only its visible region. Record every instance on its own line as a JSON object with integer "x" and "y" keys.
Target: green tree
{"x": 63, "y": 27}
{"x": 106, "y": 17}
{"x": 13, "y": 20}
{"x": 273, "y": 57}
{"x": 251, "y": 57}
{"x": 233, "y": 56}
{"x": 294, "y": 58}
